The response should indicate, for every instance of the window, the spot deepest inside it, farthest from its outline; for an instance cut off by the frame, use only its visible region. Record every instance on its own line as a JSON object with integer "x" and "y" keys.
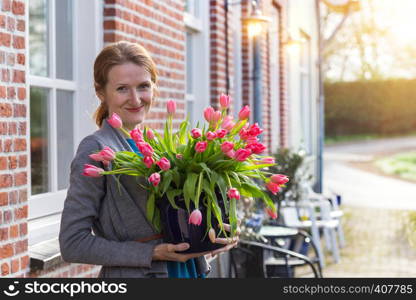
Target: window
{"x": 56, "y": 83}
{"x": 197, "y": 59}
{"x": 305, "y": 92}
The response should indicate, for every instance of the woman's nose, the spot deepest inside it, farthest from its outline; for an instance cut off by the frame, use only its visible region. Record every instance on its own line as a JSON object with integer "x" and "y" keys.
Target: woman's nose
{"x": 135, "y": 96}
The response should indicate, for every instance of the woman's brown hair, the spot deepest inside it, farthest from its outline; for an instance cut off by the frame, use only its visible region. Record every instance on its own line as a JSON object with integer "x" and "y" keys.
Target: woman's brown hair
{"x": 117, "y": 54}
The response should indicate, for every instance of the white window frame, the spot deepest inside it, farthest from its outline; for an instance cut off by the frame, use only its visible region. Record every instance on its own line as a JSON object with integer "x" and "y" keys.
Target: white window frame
{"x": 45, "y": 209}
{"x": 198, "y": 27}
{"x": 306, "y": 100}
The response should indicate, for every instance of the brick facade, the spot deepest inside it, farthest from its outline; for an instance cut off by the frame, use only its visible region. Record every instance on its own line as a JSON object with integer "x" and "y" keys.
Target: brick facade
{"x": 158, "y": 25}
{"x": 14, "y": 259}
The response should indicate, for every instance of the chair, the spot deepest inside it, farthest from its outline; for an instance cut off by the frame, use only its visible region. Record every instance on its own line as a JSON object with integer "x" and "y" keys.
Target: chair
{"x": 292, "y": 219}
{"x": 334, "y": 212}
{"x": 255, "y": 259}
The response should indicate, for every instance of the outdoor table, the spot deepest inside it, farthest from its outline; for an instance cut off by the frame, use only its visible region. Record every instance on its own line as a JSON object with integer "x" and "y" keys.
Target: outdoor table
{"x": 277, "y": 232}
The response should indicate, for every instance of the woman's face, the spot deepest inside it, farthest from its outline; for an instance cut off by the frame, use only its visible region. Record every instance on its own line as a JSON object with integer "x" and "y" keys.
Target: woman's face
{"x": 128, "y": 93}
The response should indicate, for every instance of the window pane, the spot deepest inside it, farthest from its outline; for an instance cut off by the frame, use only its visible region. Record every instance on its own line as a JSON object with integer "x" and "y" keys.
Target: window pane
{"x": 190, "y": 112}
{"x": 189, "y": 64}
{"x": 64, "y": 39}
{"x": 65, "y": 135}
{"x": 39, "y": 136}
{"x": 38, "y": 37}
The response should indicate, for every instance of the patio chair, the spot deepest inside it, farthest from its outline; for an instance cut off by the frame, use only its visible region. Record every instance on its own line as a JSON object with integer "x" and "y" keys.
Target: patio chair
{"x": 254, "y": 259}
{"x": 335, "y": 212}
{"x": 328, "y": 225}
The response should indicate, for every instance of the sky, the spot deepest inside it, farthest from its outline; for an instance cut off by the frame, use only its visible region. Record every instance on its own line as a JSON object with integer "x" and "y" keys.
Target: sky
{"x": 398, "y": 18}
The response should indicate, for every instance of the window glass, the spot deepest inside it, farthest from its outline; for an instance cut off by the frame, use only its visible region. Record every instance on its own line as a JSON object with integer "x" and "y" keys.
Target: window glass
{"x": 65, "y": 137}
{"x": 38, "y": 37}
{"x": 39, "y": 137}
{"x": 64, "y": 39}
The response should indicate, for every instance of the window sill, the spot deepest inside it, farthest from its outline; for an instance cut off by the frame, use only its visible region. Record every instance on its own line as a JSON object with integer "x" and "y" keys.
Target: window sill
{"x": 45, "y": 255}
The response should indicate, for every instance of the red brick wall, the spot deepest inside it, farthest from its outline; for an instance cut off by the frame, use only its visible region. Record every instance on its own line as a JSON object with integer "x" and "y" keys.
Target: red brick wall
{"x": 14, "y": 258}
{"x": 219, "y": 59}
{"x": 247, "y": 69}
{"x": 158, "y": 26}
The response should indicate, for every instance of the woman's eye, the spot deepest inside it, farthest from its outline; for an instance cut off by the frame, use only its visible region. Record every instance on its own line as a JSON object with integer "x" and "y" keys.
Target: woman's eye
{"x": 122, "y": 89}
{"x": 144, "y": 86}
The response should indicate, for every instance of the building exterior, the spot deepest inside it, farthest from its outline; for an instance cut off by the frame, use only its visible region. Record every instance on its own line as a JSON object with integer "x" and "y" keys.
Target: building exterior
{"x": 202, "y": 48}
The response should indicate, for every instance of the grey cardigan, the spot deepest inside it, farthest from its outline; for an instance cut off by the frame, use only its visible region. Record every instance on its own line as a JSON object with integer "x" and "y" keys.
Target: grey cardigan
{"x": 102, "y": 219}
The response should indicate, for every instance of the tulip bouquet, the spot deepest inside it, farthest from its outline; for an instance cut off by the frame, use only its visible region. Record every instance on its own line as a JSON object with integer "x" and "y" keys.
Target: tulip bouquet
{"x": 208, "y": 167}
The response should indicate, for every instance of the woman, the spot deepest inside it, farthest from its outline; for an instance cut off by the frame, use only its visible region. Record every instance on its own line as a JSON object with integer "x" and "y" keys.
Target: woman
{"x": 104, "y": 220}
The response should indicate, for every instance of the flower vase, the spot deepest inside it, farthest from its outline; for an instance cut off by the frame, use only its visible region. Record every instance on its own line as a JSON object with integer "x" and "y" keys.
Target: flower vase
{"x": 177, "y": 229}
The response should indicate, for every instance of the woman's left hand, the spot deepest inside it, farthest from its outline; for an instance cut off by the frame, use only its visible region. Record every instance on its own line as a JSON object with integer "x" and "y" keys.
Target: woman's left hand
{"x": 229, "y": 242}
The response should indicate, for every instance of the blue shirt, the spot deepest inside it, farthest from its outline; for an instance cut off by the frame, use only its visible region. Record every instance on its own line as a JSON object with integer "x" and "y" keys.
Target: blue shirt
{"x": 176, "y": 269}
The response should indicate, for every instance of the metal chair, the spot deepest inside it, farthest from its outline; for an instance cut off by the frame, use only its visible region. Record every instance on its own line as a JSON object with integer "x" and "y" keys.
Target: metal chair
{"x": 254, "y": 259}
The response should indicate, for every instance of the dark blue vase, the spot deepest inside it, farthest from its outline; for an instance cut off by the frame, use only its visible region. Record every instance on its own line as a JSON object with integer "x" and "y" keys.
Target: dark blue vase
{"x": 177, "y": 230}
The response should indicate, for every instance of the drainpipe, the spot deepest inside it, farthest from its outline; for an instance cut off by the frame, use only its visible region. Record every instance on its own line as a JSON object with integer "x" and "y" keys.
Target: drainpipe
{"x": 257, "y": 86}
{"x": 321, "y": 99}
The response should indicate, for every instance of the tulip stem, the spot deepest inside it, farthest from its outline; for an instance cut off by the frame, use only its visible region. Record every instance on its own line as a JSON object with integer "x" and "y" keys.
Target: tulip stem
{"x": 125, "y": 132}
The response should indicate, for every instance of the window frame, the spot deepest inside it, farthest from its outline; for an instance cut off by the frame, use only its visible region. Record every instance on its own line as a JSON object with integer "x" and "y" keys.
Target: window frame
{"x": 45, "y": 209}
{"x": 198, "y": 28}
{"x": 305, "y": 74}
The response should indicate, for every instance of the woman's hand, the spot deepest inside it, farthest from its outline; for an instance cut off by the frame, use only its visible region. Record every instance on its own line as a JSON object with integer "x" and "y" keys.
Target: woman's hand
{"x": 229, "y": 242}
{"x": 167, "y": 251}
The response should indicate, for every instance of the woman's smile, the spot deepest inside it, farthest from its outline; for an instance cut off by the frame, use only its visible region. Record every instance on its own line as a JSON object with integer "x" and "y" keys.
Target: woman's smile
{"x": 135, "y": 109}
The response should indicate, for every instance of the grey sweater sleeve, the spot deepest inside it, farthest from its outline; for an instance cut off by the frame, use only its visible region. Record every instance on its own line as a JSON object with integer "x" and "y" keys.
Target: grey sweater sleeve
{"x": 81, "y": 207}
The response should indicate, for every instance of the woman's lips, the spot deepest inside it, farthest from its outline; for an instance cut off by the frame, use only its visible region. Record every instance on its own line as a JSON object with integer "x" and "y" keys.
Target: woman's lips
{"x": 135, "y": 109}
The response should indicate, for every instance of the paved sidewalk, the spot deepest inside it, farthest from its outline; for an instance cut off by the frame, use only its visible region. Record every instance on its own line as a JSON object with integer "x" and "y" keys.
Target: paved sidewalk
{"x": 380, "y": 240}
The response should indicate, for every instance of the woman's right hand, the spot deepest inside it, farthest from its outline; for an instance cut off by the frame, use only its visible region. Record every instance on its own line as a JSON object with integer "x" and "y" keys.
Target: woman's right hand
{"x": 167, "y": 251}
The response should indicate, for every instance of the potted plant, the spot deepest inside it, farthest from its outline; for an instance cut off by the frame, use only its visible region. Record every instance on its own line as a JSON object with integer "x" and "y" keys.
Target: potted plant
{"x": 196, "y": 175}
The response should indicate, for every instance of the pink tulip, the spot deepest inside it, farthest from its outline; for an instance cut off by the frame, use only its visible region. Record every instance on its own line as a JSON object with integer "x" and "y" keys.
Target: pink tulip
{"x": 145, "y": 149}
{"x": 179, "y": 156}
{"x": 242, "y": 154}
{"x": 244, "y": 135}
{"x": 256, "y": 148}
{"x": 225, "y": 101}
{"x": 216, "y": 117}
{"x": 115, "y": 121}
{"x": 96, "y": 157}
{"x": 221, "y": 133}
{"x": 252, "y": 139}
{"x": 244, "y": 113}
{"x": 164, "y": 163}
{"x": 108, "y": 154}
{"x": 254, "y": 130}
{"x": 171, "y": 107}
{"x": 148, "y": 161}
{"x": 154, "y": 179}
{"x": 92, "y": 171}
{"x": 196, "y": 133}
{"x": 273, "y": 187}
{"x": 201, "y": 147}
{"x": 279, "y": 179}
{"x": 230, "y": 154}
{"x": 195, "y": 217}
{"x": 228, "y": 123}
{"x": 233, "y": 193}
{"x": 150, "y": 135}
{"x": 137, "y": 135}
{"x": 210, "y": 135}
{"x": 271, "y": 213}
{"x": 268, "y": 160}
{"x": 226, "y": 147}
{"x": 209, "y": 114}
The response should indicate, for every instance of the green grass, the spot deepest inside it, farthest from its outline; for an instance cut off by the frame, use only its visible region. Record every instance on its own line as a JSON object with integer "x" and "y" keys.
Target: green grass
{"x": 330, "y": 140}
{"x": 402, "y": 164}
